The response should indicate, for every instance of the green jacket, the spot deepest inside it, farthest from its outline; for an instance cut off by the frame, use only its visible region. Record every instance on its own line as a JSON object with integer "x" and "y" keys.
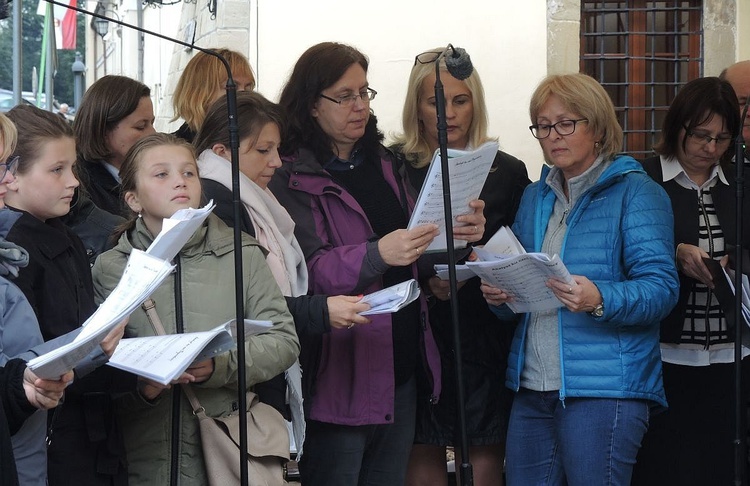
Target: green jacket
{"x": 206, "y": 266}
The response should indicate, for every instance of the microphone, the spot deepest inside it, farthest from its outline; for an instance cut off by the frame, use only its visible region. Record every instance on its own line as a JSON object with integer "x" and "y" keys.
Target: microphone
{"x": 459, "y": 63}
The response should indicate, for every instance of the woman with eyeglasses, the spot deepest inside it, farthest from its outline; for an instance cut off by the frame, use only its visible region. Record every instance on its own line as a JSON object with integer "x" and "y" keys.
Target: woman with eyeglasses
{"x": 351, "y": 204}
{"x": 485, "y": 339}
{"x": 587, "y": 374}
{"x": 692, "y": 442}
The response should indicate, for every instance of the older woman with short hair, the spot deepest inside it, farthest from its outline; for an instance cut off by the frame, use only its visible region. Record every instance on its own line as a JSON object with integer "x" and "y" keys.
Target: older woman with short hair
{"x": 587, "y": 374}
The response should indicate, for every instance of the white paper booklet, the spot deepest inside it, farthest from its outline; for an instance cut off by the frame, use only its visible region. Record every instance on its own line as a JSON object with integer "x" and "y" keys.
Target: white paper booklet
{"x": 520, "y": 274}
{"x": 462, "y": 272}
{"x": 177, "y": 230}
{"x": 391, "y": 299}
{"x": 164, "y": 358}
{"x": 468, "y": 170}
{"x": 144, "y": 272}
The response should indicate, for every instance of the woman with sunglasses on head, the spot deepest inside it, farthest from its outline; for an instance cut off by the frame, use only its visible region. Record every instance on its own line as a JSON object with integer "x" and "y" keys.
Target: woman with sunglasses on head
{"x": 692, "y": 442}
{"x": 351, "y": 204}
{"x": 587, "y": 374}
{"x": 485, "y": 340}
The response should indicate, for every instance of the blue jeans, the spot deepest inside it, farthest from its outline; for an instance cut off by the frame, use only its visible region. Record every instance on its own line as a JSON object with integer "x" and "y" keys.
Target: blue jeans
{"x": 364, "y": 455}
{"x": 581, "y": 442}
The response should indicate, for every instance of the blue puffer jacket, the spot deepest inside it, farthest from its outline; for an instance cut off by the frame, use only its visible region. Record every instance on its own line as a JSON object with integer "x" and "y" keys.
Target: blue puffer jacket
{"x": 620, "y": 236}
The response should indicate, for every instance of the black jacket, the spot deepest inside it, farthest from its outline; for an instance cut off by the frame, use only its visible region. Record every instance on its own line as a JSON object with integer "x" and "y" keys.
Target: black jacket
{"x": 93, "y": 225}
{"x": 57, "y": 282}
{"x": 86, "y": 444}
{"x": 685, "y": 208}
{"x": 101, "y": 187}
{"x": 14, "y": 409}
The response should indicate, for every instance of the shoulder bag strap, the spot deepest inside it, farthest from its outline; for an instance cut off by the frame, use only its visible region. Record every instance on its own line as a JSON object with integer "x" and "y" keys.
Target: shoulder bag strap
{"x": 149, "y": 306}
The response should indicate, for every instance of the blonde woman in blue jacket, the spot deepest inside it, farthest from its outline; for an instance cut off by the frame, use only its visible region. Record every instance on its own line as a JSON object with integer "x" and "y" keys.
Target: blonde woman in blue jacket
{"x": 588, "y": 374}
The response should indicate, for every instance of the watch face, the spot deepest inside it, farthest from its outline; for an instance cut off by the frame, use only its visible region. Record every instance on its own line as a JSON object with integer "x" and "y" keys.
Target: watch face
{"x": 598, "y": 311}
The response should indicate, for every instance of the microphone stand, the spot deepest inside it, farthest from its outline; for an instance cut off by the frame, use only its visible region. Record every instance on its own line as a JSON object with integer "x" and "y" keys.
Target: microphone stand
{"x": 466, "y": 472}
{"x": 740, "y": 461}
{"x": 231, "y": 89}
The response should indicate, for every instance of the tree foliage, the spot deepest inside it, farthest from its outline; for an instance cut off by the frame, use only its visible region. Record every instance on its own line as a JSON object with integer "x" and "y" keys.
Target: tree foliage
{"x": 31, "y": 48}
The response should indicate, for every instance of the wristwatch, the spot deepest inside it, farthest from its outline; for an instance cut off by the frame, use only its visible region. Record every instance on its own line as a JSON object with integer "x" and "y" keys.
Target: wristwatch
{"x": 598, "y": 310}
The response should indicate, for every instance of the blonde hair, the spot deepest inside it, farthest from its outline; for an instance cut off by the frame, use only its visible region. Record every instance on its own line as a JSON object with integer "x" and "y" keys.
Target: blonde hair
{"x": 584, "y": 96}
{"x": 412, "y": 142}
{"x": 199, "y": 81}
{"x": 8, "y": 137}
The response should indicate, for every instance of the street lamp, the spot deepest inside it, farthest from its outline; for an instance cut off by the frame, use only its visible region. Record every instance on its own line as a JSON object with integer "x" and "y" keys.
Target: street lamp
{"x": 100, "y": 25}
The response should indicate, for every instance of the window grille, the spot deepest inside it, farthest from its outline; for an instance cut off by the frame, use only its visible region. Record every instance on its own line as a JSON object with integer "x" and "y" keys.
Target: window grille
{"x": 642, "y": 52}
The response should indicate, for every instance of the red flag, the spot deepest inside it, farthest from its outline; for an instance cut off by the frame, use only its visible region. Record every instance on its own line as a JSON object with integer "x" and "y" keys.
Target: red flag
{"x": 68, "y": 28}
{"x": 64, "y": 21}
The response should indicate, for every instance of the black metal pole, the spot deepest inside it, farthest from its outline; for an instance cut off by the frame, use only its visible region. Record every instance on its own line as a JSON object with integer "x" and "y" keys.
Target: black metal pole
{"x": 740, "y": 460}
{"x": 238, "y": 285}
{"x": 465, "y": 469}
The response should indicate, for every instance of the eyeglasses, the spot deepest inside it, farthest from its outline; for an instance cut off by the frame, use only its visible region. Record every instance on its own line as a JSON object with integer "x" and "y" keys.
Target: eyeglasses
{"x": 563, "y": 128}
{"x": 10, "y": 166}
{"x": 427, "y": 57}
{"x": 704, "y": 138}
{"x": 346, "y": 101}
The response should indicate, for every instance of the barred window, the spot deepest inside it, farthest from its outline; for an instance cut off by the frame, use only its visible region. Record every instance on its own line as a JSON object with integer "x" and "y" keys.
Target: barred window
{"x": 642, "y": 52}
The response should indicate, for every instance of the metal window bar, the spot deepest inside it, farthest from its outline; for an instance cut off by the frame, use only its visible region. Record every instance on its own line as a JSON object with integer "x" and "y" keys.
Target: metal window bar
{"x": 642, "y": 52}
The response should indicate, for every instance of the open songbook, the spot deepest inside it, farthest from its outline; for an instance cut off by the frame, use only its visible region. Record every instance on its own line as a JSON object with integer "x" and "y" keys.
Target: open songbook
{"x": 164, "y": 358}
{"x": 505, "y": 264}
{"x": 144, "y": 272}
{"x": 468, "y": 170}
{"x": 391, "y": 299}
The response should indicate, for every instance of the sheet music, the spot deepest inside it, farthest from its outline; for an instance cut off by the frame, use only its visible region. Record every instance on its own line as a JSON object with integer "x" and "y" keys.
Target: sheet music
{"x": 177, "y": 230}
{"x": 143, "y": 273}
{"x": 524, "y": 277}
{"x": 165, "y": 357}
{"x": 468, "y": 172}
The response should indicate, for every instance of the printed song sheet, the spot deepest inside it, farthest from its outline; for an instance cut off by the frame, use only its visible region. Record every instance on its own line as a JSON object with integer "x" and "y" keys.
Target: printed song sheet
{"x": 468, "y": 170}
{"x": 164, "y": 358}
{"x": 144, "y": 272}
{"x": 523, "y": 277}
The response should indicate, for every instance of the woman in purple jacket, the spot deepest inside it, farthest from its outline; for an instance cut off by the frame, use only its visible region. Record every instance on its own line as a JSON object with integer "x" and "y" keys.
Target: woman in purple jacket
{"x": 351, "y": 205}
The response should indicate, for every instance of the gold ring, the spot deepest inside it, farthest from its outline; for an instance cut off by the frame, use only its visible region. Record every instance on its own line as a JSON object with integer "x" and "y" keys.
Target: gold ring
{"x": 476, "y": 230}
{"x": 417, "y": 250}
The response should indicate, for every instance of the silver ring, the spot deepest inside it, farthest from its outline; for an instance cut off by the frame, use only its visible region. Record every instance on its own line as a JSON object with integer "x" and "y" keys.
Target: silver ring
{"x": 570, "y": 290}
{"x": 351, "y": 325}
{"x": 476, "y": 230}
{"x": 417, "y": 250}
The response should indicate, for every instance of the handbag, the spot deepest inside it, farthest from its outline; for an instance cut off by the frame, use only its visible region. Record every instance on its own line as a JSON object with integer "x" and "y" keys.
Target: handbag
{"x": 268, "y": 437}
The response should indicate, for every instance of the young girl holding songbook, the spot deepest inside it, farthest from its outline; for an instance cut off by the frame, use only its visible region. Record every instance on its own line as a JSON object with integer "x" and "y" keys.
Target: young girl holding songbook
{"x": 85, "y": 442}
{"x": 160, "y": 176}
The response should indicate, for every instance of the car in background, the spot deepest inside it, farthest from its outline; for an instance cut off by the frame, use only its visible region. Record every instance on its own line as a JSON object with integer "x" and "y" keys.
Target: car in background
{"x": 7, "y": 102}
